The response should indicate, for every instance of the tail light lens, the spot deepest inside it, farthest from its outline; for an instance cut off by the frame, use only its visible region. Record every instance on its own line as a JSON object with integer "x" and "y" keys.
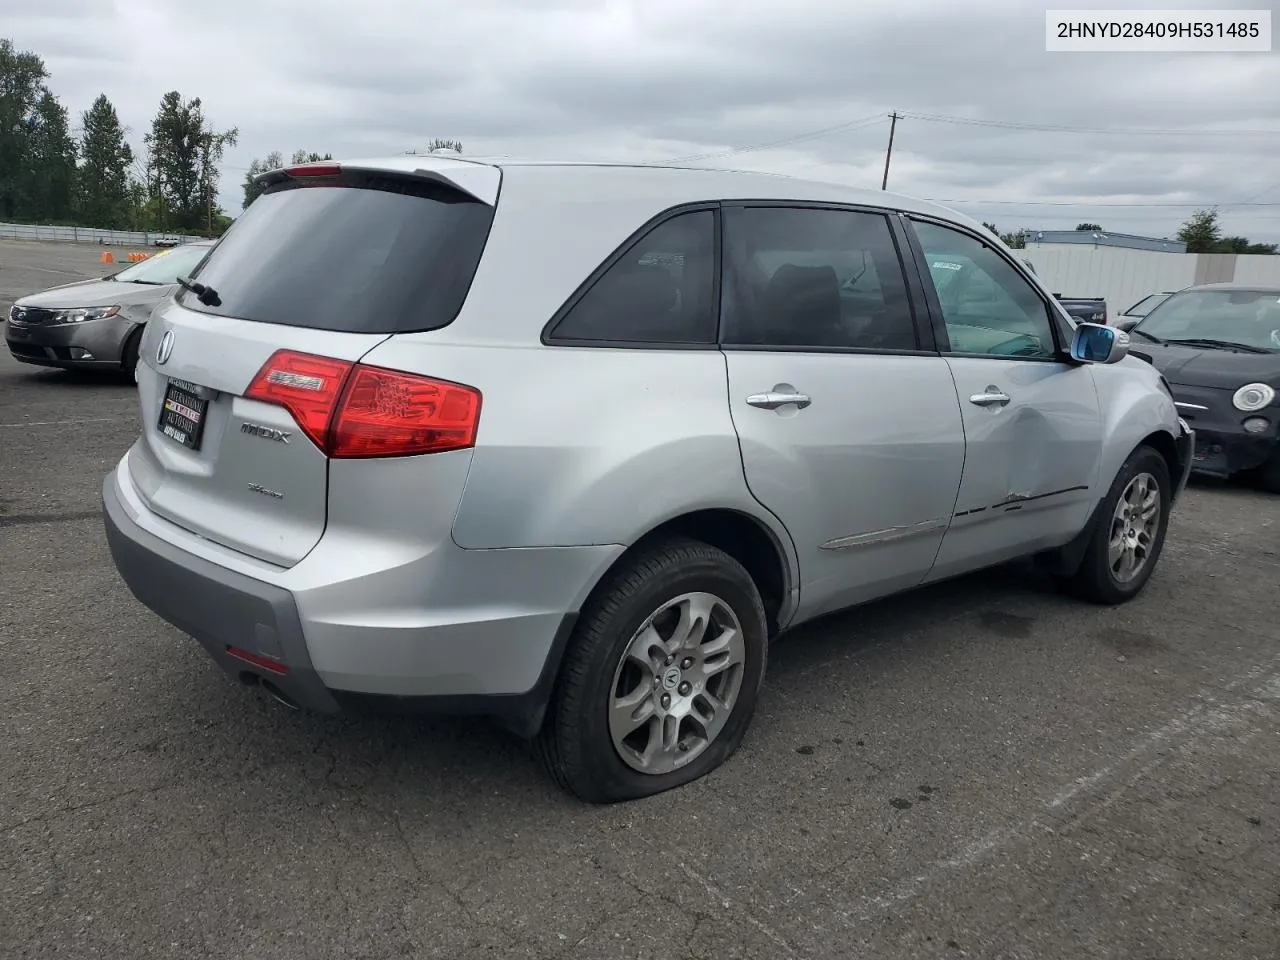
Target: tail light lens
{"x": 308, "y": 387}
{"x": 352, "y": 410}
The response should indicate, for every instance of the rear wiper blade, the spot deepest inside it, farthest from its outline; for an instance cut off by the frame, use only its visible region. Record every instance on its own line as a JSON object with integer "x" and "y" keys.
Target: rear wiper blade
{"x": 1222, "y": 345}
{"x": 206, "y": 295}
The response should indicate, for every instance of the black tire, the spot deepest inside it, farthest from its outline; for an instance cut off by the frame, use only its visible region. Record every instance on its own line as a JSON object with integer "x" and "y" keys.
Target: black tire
{"x": 575, "y": 743}
{"x": 129, "y": 354}
{"x": 1095, "y": 580}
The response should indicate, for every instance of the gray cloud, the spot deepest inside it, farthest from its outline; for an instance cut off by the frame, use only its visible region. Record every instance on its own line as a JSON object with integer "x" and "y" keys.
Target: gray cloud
{"x": 671, "y": 78}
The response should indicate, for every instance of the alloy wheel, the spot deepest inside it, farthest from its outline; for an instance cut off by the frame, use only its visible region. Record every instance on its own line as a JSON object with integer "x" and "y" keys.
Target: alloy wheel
{"x": 1134, "y": 525}
{"x": 677, "y": 683}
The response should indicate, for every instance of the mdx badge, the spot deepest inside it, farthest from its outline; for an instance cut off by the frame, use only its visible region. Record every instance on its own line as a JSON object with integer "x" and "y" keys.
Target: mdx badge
{"x": 165, "y": 348}
{"x": 267, "y": 433}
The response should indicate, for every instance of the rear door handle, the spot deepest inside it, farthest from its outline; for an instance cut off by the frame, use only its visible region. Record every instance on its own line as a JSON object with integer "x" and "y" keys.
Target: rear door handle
{"x": 772, "y": 401}
{"x": 993, "y": 396}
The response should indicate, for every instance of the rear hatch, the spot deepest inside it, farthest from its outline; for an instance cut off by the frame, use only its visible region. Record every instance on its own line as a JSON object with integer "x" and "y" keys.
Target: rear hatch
{"x": 248, "y": 379}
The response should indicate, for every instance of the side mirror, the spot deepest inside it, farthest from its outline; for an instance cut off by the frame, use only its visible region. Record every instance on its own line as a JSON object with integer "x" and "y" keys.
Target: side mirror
{"x": 1098, "y": 343}
{"x": 1127, "y": 323}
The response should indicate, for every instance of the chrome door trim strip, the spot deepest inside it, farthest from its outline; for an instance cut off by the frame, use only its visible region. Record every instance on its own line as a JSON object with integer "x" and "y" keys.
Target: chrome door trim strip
{"x": 886, "y": 535}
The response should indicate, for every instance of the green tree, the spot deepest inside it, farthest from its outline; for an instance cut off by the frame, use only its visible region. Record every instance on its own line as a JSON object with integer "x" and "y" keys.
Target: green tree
{"x": 305, "y": 156}
{"x": 49, "y": 172}
{"x": 252, "y": 190}
{"x": 22, "y": 76}
{"x": 438, "y": 144}
{"x": 1089, "y": 227}
{"x": 182, "y": 167}
{"x": 1015, "y": 241}
{"x": 1201, "y": 233}
{"x": 1242, "y": 245}
{"x": 140, "y": 206}
{"x": 274, "y": 161}
{"x": 104, "y": 187}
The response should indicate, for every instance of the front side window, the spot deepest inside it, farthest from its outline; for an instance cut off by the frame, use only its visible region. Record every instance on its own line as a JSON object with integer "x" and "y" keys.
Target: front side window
{"x": 801, "y": 277}
{"x": 659, "y": 291}
{"x": 988, "y": 307}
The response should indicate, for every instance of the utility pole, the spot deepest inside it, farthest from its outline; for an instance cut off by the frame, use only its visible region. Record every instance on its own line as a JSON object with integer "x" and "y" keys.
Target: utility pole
{"x": 893, "y": 123}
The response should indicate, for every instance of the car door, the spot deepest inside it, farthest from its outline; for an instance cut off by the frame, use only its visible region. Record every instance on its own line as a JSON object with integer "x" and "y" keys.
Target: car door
{"x": 846, "y": 416}
{"x": 1032, "y": 423}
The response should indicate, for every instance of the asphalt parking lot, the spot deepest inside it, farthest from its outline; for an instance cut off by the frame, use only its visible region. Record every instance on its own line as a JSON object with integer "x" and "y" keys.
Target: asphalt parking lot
{"x": 980, "y": 769}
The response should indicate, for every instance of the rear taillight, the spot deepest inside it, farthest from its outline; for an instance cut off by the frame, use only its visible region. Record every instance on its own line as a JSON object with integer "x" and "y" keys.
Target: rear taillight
{"x": 351, "y": 410}
{"x": 308, "y": 387}
{"x": 384, "y": 413}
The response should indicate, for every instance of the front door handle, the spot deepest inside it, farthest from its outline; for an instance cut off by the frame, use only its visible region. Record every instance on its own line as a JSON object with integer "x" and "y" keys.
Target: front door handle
{"x": 772, "y": 400}
{"x": 993, "y": 396}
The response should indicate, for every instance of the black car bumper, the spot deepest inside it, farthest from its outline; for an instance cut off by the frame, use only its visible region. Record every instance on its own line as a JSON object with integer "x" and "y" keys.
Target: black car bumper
{"x": 1221, "y": 454}
{"x": 93, "y": 343}
{"x": 1223, "y": 447}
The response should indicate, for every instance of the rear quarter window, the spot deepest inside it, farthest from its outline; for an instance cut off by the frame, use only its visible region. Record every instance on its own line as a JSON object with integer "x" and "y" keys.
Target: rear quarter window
{"x": 659, "y": 290}
{"x": 360, "y": 255}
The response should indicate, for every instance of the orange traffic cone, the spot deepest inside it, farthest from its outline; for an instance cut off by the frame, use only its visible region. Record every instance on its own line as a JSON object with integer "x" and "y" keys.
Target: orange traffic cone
{"x": 106, "y": 257}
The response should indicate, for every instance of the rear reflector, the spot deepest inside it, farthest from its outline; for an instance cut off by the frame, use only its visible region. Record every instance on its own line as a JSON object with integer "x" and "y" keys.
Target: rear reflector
{"x": 357, "y": 411}
{"x": 270, "y": 664}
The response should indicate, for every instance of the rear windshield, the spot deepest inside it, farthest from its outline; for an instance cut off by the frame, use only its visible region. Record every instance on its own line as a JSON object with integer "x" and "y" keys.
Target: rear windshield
{"x": 374, "y": 255}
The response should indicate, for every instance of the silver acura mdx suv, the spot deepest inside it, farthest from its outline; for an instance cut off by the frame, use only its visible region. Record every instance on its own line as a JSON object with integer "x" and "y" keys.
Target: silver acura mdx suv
{"x": 569, "y": 444}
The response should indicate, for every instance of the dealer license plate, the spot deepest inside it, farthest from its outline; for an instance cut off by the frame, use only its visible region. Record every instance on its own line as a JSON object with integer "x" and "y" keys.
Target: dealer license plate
{"x": 182, "y": 414}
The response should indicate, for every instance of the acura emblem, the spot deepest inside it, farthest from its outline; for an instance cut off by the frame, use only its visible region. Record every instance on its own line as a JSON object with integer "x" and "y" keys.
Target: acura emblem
{"x": 165, "y": 348}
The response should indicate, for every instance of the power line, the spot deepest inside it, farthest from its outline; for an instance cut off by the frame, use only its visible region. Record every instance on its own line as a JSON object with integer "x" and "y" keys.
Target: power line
{"x": 971, "y": 121}
{"x": 1061, "y": 128}
{"x": 1248, "y": 201}
{"x": 1199, "y": 204}
{"x": 868, "y": 121}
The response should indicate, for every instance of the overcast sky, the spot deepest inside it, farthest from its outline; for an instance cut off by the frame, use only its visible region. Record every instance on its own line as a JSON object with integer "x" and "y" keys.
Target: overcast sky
{"x": 662, "y": 79}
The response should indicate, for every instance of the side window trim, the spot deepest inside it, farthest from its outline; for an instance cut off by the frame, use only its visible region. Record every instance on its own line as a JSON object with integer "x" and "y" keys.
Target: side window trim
{"x": 918, "y": 289}
{"x": 548, "y": 336}
{"x": 938, "y": 323}
{"x": 920, "y": 318}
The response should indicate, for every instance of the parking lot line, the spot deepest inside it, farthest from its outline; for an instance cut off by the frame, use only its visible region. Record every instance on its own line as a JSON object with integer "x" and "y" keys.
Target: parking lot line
{"x": 59, "y": 423}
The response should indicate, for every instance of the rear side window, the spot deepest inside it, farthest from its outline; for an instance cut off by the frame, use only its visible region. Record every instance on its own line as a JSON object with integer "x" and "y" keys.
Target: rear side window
{"x": 797, "y": 277}
{"x": 375, "y": 255}
{"x": 661, "y": 290}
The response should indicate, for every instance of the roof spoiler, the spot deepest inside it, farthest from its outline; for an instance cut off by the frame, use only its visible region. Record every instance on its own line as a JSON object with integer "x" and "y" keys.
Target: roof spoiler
{"x": 328, "y": 169}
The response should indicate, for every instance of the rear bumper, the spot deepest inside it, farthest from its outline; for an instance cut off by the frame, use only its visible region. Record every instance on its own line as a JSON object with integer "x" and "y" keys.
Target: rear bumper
{"x": 219, "y": 608}
{"x": 65, "y": 345}
{"x": 375, "y": 642}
